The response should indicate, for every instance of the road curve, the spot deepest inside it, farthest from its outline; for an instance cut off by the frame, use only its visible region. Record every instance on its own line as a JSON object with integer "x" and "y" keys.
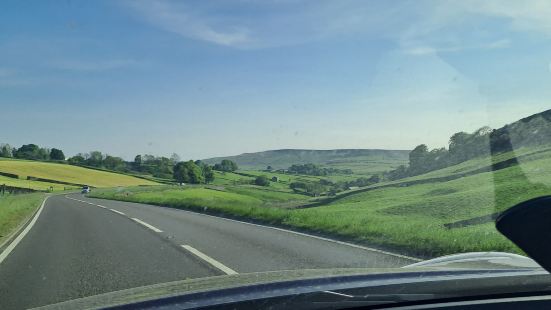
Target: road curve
{"x": 83, "y": 246}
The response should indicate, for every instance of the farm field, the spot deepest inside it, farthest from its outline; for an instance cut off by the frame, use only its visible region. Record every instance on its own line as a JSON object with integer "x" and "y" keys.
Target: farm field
{"x": 67, "y": 173}
{"x": 34, "y": 185}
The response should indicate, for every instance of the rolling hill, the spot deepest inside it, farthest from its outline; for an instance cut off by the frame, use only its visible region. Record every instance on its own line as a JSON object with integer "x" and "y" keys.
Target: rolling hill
{"x": 360, "y": 160}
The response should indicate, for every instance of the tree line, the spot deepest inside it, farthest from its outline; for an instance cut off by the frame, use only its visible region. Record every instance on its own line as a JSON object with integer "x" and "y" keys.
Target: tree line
{"x": 531, "y": 131}
{"x": 172, "y": 167}
{"x": 32, "y": 152}
{"x": 315, "y": 170}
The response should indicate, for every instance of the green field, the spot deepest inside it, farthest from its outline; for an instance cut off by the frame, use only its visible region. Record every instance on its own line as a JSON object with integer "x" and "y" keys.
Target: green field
{"x": 34, "y": 185}
{"x": 407, "y": 219}
{"x": 64, "y": 173}
{"x": 14, "y": 209}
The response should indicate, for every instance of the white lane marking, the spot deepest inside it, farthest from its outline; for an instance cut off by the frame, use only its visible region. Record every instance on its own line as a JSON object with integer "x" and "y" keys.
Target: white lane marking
{"x": 155, "y": 229}
{"x": 20, "y": 237}
{"x": 210, "y": 260}
{"x": 93, "y": 204}
{"x": 119, "y": 212}
{"x": 338, "y": 294}
{"x": 311, "y": 236}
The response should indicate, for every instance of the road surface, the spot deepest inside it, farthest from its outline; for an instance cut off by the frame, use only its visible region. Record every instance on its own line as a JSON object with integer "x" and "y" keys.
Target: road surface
{"x": 83, "y": 246}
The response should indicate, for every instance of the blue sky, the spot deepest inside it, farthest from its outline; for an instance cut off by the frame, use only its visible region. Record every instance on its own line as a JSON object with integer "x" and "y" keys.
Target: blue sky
{"x": 212, "y": 78}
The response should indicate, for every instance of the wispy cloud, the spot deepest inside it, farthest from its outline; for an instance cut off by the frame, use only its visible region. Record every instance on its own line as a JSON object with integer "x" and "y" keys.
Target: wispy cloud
{"x": 523, "y": 15}
{"x": 420, "y": 27}
{"x": 425, "y": 50}
{"x": 91, "y": 65}
{"x": 177, "y": 18}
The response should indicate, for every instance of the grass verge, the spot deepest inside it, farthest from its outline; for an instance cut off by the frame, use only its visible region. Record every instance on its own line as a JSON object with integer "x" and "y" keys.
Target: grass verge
{"x": 15, "y": 209}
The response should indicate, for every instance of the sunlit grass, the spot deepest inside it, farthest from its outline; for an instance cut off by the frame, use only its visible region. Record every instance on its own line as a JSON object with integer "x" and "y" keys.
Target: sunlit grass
{"x": 409, "y": 219}
{"x": 68, "y": 173}
{"x": 14, "y": 209}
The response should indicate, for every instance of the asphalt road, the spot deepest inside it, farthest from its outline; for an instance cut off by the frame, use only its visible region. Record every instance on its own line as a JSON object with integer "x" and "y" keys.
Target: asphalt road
{"x": 83, "y": 246}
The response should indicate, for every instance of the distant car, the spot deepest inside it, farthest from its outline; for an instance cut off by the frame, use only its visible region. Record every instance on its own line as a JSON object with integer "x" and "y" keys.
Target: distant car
{"x": 85, "y": 189}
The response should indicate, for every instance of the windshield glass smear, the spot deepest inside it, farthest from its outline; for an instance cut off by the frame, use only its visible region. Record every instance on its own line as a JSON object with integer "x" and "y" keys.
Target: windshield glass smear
{"x": 146, "y": 142}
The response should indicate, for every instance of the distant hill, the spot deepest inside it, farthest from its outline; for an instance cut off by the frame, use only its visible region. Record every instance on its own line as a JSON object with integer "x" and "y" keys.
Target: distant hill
{"x": 360, "y": 160}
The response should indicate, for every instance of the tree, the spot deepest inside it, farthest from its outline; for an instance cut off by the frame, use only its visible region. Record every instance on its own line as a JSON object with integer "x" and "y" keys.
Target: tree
{"x": 208, "y": 173}
{"x": 6, "y": 150}
{"x": 114, "y": 163}
{"x": 137, "y": 164}
{"x": 175, "y": 158}
{"x": 418, "y": 159}
{"x": 374, "y": 179}
{"x": 457, "y": 145}
{"x": 95, "y": 159}
{"x": 314, "y": 189}
{"x": 29, "y": 151}
{"x": 188, "y": 172}
{"x": 262, "y": 180}
{"x": 78, "y": 159}
{"x": 56, "y": 154}
{"x": 226, "y": 165}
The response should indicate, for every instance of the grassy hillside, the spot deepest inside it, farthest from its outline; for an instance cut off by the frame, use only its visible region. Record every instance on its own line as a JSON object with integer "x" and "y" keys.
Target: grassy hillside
{"x": 363, "y": 161}
{"x": 415, "y": 219}
{"x": 63, "y": 173}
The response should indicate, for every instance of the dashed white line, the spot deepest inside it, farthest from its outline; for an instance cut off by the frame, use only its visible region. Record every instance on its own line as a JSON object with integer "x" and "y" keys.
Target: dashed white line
{"x": 20, "y": 237}
{"x": 155, "y": 229}
{"x": 119, "y": 212}
{"x": 218, "y": 265}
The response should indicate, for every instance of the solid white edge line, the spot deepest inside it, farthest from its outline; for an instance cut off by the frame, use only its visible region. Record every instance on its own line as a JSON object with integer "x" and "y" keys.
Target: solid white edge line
{"x": 119, "y": 212}
{"x": 155, "y": 229}
{"x": 210, "y": 260}
{"x": 20, "y": 237}
{"x": 311, "y": 236}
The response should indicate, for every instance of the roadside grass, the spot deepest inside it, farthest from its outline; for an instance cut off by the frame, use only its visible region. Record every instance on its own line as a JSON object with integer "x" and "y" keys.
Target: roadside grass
{"x": 198, "y": 199}
{"x": 34, "y": 185}
{"x": 14, "y": 209}
{"x": 405, "y": 219}
{"x": 409, "y": 219}
{"x": 68, "y": 173}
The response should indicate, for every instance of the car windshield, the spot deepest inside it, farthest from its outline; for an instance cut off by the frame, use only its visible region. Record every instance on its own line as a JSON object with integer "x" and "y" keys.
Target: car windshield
{"x": 151, "y": 141}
